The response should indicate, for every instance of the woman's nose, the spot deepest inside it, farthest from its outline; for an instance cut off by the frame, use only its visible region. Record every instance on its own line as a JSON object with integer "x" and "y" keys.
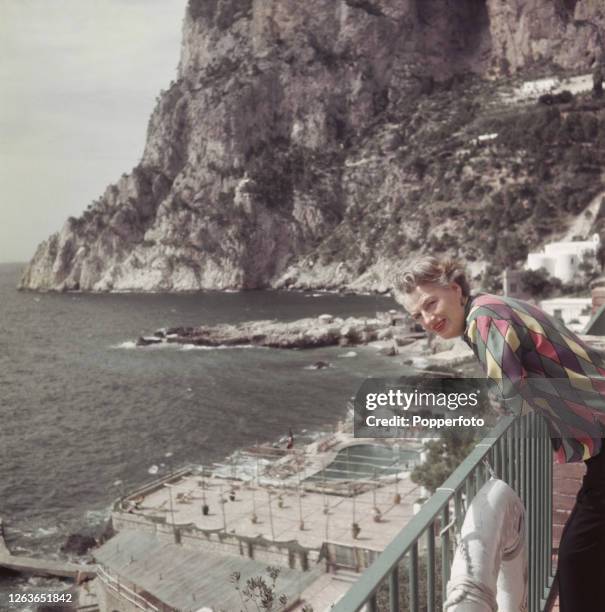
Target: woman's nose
{"x": 427, "y": 320}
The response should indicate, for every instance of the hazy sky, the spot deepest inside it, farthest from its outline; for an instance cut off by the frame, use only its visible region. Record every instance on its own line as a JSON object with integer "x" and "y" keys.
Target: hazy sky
{"x": 78, "y": 82}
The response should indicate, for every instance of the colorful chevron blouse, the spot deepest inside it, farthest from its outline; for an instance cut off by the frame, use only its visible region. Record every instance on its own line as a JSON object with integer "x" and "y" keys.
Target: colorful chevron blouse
{"x": 537, "y": 363}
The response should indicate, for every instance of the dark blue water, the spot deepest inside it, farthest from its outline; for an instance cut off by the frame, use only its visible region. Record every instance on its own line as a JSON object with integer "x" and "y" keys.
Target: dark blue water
{"x": 79, "y": 410}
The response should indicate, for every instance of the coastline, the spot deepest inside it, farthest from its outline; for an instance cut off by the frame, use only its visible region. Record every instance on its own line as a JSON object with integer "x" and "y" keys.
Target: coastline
{"x": 33, "y": 329}
{"x": 394, "y": 500}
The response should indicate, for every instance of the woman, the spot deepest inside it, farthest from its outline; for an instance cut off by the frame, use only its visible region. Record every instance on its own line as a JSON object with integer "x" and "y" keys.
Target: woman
{"x": 519, "y": 345}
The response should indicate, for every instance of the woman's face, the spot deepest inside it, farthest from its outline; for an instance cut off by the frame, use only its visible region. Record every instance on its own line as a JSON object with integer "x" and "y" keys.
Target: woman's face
{"x": 438, "y": 309}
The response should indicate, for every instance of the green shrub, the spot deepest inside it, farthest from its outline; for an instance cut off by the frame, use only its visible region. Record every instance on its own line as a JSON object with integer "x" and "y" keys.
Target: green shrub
{"x": 539, "y": 283}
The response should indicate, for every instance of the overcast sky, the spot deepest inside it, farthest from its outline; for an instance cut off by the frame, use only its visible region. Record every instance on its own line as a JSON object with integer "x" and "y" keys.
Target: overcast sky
{"x": 78, "y": 82}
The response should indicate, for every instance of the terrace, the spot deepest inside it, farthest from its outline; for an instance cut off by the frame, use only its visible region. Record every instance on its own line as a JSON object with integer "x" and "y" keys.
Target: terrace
{"x": 298, "y": 511}
{"x": 412, "y": 572}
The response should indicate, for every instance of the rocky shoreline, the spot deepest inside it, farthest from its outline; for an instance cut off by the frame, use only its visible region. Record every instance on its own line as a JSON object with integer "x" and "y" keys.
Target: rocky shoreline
{"x": 312, "y": 332}
{"x": 388, "y": 333}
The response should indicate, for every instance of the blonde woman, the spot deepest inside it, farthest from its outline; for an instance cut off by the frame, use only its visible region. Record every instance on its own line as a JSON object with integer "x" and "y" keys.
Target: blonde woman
{"x": 514, "y": 342}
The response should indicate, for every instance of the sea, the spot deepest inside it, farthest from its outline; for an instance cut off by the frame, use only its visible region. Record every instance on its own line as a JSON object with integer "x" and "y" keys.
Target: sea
{"x": 86, "y": 415}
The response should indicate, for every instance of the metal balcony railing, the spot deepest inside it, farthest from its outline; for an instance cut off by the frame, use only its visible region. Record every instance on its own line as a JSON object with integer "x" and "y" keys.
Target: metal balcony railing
{"x": 519, "y": 451}
{"x": 125, "y": 591}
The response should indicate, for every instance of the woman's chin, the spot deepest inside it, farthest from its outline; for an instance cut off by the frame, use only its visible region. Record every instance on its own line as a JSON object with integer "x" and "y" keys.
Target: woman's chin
{"x": 447, "y": 333}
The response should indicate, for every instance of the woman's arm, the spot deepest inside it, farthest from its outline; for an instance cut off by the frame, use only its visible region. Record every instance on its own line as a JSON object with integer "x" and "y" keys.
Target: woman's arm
{"x": 497, "y": 345}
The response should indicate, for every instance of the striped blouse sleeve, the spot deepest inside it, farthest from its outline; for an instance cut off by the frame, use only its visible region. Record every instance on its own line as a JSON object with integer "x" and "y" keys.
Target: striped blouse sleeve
{"x": 536, "y": 363}
{"x": 497, "y": 345}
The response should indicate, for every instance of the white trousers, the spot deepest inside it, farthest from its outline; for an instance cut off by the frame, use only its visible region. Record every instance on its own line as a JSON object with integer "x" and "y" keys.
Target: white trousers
{"x": 489, "y": 572}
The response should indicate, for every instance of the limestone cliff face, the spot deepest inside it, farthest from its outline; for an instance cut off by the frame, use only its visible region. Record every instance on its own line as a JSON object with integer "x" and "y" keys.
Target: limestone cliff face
{"x": 563, "y": 32}
{"x": 305, "y": 143}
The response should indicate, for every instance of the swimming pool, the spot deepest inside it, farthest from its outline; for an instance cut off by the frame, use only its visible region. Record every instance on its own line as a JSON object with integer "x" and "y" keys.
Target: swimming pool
{"x": 367, "y": 461}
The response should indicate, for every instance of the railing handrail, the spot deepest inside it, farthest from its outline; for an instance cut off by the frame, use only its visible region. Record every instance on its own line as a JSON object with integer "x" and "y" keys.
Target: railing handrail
{"x": 125, "y": 591}
{"x": 153, "y": 485}
{"x": 371, "y": 579}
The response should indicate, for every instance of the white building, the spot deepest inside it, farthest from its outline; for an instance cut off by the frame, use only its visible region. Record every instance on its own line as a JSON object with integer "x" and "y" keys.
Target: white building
{"x": 562, "y": 259}
{"x": 574, "y": 312}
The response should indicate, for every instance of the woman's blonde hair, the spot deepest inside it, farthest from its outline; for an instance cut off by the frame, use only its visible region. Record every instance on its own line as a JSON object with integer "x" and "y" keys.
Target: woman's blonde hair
{"x": 430, "y": 269}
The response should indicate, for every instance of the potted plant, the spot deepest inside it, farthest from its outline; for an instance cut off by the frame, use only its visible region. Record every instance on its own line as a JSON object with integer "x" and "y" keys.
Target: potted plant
{"x": 355, "y": 529}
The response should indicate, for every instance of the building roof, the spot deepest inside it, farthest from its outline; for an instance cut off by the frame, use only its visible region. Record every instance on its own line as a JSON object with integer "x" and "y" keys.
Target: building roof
{"x": 189, "y": 579}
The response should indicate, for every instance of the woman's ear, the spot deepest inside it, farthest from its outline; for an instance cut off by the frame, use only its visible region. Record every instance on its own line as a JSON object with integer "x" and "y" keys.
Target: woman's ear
{"x": 457, "y": 288}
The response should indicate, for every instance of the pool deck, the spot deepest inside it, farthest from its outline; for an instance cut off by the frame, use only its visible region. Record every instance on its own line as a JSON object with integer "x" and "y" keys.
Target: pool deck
{"x": 271, "y": 501}
{"x": 325, "y": 517}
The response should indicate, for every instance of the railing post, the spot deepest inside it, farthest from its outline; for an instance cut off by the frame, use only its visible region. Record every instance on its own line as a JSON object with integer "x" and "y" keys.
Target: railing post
{"x": 523, "y": 468}
{"x": 517, "y": 441}
{"x": 445, "y": 550}
{"x": 548, "y": 492}
{"x": 430, "y": 568}
{"x": 511, "y": 458}
{"x": 550, "y": 508}
{"x": 394, "y": 590}
{"x": 468, "y": 488}
{"x": 414, "y": 604}
{"x": 534, "y": 517}
{"x": 458, "y": 513}
{"x": 542, "y": 515}
{"x": 372, "y": 605}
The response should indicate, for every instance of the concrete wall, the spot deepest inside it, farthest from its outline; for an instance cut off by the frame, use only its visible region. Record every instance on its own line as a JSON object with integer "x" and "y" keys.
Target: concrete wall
{"x": 218, "y": 542}
{"x": 568, "y": 308}
{"x": 350, "y": 557}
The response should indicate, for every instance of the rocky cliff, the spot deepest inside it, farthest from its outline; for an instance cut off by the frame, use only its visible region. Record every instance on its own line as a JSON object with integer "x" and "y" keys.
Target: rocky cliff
{"x": 314, "y": 144}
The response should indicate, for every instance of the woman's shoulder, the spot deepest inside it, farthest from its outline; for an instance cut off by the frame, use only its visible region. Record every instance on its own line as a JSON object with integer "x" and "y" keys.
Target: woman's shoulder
{"x": 483, "y": 299}
{"x": 501, "y": 307}
{"x": 496, "y": 305}
{"x": 503, "y": 304}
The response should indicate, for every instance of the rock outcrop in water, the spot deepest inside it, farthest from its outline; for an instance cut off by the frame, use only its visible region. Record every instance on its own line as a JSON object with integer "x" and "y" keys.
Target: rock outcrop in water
{"x": 314, "y": 144}
{"x": 303, "y": 333}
